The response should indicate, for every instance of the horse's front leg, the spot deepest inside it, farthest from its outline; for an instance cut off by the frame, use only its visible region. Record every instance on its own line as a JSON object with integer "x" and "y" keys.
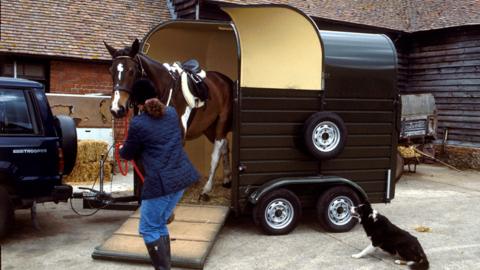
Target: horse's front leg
{"x": 217, "y": 147}
{"x": 227, "y": 171}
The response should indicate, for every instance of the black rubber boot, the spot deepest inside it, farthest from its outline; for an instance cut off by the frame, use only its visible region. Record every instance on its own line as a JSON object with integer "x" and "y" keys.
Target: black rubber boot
{"x": 159, "y": 252}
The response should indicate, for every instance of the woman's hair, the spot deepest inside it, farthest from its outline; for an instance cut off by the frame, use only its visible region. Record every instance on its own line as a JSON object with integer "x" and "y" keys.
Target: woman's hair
{"x": 154, "y": 107}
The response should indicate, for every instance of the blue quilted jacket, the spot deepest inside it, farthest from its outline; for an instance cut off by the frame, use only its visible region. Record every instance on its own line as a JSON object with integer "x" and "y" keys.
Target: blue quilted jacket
{"x": 158, "y": 144}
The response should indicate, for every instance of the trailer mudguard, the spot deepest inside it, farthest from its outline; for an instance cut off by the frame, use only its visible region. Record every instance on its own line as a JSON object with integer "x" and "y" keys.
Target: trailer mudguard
{"x": 290, "y": 181}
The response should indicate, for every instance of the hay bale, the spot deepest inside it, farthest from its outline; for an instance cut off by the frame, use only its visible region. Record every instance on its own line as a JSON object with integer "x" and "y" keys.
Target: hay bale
{"x": 87, "y": 166}
{"x": 88, "y": 172}
{"x": 90, "y": 150}
{"x": 408, "y": 152}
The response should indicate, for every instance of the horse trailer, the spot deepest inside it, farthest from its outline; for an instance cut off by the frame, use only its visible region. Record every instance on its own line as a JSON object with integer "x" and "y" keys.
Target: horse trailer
{"x": 316, "y": 113}
{"x": 313, "y": 110}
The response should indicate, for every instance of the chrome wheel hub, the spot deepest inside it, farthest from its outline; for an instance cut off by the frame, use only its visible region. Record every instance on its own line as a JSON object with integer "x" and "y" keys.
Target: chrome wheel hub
{"x": 339, "y": 210}
{"x": 326, "y": 136}
{"x": 279, "y": 213}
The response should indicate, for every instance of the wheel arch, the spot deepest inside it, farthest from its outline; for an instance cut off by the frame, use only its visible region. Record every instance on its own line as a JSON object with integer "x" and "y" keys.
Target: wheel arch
{"x": 8, "y": 175}
{"x": 286, "y": 182}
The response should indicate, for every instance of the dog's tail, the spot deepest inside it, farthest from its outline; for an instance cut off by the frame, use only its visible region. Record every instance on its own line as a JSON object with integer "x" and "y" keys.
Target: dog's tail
{"x": 423, "y": 264}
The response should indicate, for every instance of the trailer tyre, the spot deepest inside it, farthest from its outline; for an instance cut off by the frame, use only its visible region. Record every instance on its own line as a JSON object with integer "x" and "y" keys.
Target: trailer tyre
{"x": 278, "y": 212}
{"x": 6, "y": 212}
{"x": 325, "y": 134}
{"x": 333, "y": 209}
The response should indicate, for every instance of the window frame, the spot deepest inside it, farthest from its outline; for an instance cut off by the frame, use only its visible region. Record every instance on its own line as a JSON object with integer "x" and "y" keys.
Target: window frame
{"x": 17, "y": 62}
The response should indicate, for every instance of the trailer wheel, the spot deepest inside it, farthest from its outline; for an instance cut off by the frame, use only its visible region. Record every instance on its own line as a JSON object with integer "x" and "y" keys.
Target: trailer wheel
{"x": 333, "y": 209}
{"x": 325, "y": 134}
{"x": 6, "y": 212}
{"x": 278, "y": 212}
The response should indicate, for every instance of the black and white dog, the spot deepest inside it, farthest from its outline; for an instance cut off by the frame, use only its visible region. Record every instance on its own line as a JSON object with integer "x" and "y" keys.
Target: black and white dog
{"x": 389, "y": 238}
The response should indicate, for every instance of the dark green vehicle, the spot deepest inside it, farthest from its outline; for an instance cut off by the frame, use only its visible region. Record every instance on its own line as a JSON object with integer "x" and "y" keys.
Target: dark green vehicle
{"x": 316, "y": 113}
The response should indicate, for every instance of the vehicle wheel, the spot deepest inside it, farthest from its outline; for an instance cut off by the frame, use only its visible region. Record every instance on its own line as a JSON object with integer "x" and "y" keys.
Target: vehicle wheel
{"x": 278, "y": 212}
{"x": 333, "y": 209}
{"x": 6, "y": 213}
{"x": 69, "y": 142}
{"x": 325, "y": 134}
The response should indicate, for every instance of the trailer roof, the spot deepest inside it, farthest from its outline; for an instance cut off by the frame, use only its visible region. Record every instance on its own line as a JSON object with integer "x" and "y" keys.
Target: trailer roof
{"x": 280, "y": 47}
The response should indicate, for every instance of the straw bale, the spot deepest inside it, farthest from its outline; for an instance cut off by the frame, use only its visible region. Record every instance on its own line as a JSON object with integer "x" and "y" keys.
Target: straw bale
{"x": 408, "y": 152}
{"x": 89, "y": 172}
{"x": 91, "y": 150}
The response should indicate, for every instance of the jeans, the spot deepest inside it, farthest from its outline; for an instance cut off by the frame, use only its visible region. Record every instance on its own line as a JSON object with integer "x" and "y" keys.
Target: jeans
{"x": 154, "y": 214}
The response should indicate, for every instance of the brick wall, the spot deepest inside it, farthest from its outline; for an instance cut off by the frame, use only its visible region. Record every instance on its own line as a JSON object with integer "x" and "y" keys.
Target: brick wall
{"x": 74, "y": 77}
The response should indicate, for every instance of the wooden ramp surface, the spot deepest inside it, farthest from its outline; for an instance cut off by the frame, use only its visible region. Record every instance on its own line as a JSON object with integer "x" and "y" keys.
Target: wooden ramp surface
{"x": 192, "y": 234}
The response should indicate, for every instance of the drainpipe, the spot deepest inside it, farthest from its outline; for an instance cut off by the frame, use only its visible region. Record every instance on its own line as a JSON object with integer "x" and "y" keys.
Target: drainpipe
{"x": 14, "y": 69}
{"x": 171, "y": 9}
{"x": 197, "y": 11}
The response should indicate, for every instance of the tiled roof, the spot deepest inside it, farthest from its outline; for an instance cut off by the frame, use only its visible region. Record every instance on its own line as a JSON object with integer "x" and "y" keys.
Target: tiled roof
{"x": 403, "y": 15}
{"x": 75, "y": 28}
{"x": 387, "y": 13}
{"x": 437, "y": 14}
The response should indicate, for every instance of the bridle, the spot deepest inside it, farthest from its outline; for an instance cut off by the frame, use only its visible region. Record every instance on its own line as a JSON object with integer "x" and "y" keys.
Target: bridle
{"x": 138, "y": 64}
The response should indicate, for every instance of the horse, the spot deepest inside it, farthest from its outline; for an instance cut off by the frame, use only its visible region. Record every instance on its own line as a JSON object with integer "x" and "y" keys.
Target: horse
{"x": 213, "y": 119}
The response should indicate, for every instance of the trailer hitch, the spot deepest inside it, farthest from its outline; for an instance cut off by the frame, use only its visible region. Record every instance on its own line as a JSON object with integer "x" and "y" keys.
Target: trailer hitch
{"x": 91, "y": 193}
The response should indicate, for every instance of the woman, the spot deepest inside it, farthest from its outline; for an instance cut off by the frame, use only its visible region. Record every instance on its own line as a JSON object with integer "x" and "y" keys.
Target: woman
{"x": 156, "y": 139}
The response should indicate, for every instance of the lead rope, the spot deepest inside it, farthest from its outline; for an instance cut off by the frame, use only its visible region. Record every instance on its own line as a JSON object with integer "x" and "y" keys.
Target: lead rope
{"x": 124, "y": 170}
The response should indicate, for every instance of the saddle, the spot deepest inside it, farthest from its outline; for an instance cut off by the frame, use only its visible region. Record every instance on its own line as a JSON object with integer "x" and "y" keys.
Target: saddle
{"x": 195, "y": 79}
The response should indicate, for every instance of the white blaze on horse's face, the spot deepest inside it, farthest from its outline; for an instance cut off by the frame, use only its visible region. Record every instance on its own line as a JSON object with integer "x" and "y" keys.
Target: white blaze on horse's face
{"x": 119, "y": 69}
{"x": 116, "y": 99}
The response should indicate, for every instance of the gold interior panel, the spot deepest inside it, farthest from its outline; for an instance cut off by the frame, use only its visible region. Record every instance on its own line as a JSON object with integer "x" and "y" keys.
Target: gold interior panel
{"x": 280, "y": 48}
{"x": 212, "y": 44}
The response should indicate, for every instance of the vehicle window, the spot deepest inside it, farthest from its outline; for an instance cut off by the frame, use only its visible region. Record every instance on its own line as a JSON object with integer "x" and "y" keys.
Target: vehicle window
{"x": 14, "y": 114}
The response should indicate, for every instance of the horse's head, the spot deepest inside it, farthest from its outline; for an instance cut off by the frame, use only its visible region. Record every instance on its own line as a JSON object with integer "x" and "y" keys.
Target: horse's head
{"x": 125, "y": 71}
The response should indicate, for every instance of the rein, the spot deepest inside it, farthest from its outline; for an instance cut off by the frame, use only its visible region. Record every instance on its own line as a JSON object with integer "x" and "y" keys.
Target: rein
{"x": 124, "y": 170}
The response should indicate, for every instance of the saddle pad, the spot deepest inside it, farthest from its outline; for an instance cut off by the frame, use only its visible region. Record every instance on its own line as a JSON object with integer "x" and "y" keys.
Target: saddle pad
{"x": 193, "y": 234}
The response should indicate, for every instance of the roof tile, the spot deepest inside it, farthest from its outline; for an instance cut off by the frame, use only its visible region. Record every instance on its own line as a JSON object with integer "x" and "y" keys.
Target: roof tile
{"x": 77, "y": 28}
